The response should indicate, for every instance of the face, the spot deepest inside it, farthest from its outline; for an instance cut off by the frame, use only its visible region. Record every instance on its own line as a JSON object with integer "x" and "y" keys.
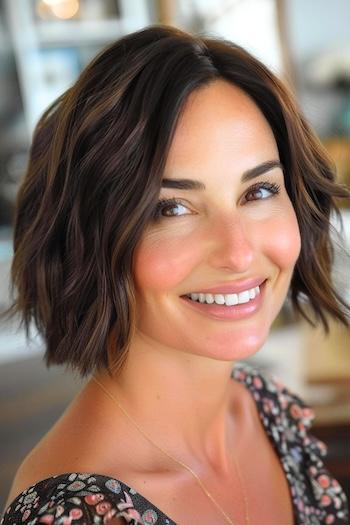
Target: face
{"x": 233, "y": 230}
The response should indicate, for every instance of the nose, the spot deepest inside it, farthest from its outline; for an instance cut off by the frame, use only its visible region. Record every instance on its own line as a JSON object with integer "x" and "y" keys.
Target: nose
{"x": 231, "y": 248}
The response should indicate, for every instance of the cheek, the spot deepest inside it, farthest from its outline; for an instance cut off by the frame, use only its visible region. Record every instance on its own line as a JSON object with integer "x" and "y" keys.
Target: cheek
{"x": 163, "y": 264}
{"x": 283, "y": 241}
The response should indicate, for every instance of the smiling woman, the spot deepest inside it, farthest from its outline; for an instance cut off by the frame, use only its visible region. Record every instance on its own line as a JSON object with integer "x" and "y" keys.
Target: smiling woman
{"x": 217, "y": 236}
{"x": 175, "y": 195}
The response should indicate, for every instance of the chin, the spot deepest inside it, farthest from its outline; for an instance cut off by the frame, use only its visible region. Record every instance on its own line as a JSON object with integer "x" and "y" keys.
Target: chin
{"x": 235, "y": 346}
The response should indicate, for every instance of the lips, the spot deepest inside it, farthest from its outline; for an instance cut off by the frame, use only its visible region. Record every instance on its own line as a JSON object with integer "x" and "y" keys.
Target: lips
{"x": 229, "y": 313}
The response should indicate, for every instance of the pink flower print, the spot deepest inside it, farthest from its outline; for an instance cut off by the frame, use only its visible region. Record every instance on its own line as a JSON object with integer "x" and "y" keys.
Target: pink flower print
{"x": 103, "y": 507}
{"x": 76, "y": 485}
{"x": 325, "y": 500}
{"x": 322, "y": 446}
{"x": 335, "y": 483}
{"x": 295, "y": 411}
{"x": 308, "y": 413}
{"x": 256, "y": 396}
{"x": 47, "y": 518}
{"x": 109, "y": 515}
{"x": 241, "y": 375}
{"x": 324, "y": 481}
{"x": 26, "y": 514}
{"x": 329, "y": 519}
{"x": 125, "y": 503}
{"x": 92, "y": 499}
{"x": 75, "y": 514}
{"x": 313, "y": 470}
{"x": 268, "y": 406}
{"x": 113, "y": 485}
{"x": 257, "y": 382}
{"x": 300, "y": 504}
{"x": 131, "y": 513}
{"x": 149, "y": 517}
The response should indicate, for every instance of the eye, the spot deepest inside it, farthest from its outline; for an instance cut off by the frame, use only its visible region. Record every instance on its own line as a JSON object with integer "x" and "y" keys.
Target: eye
{"x": 168, "y": 204}
{"x": 260, "y": 188}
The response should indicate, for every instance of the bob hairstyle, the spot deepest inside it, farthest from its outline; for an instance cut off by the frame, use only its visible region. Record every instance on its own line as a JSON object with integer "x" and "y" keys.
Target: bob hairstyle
{"x": 94, "y": 178}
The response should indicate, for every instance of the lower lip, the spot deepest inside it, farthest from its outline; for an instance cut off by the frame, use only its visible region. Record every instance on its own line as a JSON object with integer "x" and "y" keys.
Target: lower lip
{"x": 235, "y": 312}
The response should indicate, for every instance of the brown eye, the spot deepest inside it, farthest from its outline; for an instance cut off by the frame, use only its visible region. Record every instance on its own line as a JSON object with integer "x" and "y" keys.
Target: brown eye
{"x": 262, "y": 191}
{"x": 167, "y": 205}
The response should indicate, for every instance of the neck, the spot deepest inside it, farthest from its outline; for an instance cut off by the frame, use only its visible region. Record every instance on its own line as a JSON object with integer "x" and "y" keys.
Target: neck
{"x": 185, "y": 403}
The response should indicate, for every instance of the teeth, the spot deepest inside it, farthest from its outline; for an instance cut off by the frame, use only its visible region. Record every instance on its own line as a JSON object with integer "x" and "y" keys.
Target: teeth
{"x": 227, "y": 299}
{"x": 209, "y": 298}
{"x": 243, "y": 297}
{"x": 231, "y": 299}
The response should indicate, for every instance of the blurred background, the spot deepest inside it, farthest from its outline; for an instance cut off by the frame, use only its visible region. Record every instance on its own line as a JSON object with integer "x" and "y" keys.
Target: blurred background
{"x": 44, "y": 44}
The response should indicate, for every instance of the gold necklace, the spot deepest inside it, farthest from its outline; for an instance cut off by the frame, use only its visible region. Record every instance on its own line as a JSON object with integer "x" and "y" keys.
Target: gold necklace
{"x": 199, "y": 481}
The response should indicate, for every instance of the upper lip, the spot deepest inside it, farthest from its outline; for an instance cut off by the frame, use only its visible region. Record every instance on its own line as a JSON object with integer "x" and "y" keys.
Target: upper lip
{"x": 234, "y": 287}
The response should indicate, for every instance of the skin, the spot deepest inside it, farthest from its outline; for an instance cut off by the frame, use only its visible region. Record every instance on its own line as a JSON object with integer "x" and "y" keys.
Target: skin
{"x": 177, "y": 384}
{"x": 180, "y": 361}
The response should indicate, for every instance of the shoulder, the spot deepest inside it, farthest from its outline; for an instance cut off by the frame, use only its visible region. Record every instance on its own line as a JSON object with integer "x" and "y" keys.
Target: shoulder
{"x": 82, "y": 497}
{"x": 39, "y": 481}
{"x": 81, "y": 440}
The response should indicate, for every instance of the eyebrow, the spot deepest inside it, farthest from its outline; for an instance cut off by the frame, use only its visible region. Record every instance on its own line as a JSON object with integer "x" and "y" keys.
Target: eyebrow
{"x": 190, "y": 184}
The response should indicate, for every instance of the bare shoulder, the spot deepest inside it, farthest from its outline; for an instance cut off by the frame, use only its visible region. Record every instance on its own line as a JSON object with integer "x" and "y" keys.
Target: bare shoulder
{"x": 80, "y": 441}
{"x": 55, "y": 453}
{"x": 49, "y": 457}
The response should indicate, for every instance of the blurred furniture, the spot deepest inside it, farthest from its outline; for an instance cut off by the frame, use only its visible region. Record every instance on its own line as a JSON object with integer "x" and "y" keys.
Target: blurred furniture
{"x": 53, "y": 41}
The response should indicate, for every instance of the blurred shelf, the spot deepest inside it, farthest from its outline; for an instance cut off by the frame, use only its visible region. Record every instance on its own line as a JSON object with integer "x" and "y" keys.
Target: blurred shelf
{"x": 79, "y": 32}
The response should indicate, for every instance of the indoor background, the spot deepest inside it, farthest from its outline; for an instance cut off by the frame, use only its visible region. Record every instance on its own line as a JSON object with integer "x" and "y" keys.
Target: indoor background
{"x": 43, "y": 47}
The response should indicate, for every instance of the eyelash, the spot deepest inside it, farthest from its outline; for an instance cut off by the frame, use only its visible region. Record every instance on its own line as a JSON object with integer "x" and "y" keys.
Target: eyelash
{"x": 163, "y": 203}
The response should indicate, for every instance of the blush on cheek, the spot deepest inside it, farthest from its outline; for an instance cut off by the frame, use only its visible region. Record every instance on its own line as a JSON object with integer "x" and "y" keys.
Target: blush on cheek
{"x": 163, "y": 265}
{"x": 285, "y": 243}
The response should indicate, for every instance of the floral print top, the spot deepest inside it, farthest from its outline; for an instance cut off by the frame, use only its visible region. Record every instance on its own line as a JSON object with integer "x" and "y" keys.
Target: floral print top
{"x": 89, "y": 498}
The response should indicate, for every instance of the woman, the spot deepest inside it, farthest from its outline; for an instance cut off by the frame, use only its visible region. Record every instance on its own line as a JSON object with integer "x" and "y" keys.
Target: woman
{"x": 174, "y": 196}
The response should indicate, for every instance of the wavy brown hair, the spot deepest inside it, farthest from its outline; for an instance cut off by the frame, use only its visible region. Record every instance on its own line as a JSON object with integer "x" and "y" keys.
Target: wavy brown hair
{"x": 94, "y": 177}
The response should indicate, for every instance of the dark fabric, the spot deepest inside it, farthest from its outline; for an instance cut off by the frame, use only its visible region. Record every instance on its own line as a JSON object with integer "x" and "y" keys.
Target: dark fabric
{"x": 86, "y": 498}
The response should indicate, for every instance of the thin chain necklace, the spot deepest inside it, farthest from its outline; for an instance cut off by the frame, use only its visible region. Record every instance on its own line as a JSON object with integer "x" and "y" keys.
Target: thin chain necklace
{"x": 199, "y": 481}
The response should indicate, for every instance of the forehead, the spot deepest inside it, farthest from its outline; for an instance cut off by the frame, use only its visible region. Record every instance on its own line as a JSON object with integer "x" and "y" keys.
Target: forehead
{"x": 220, "y": 121}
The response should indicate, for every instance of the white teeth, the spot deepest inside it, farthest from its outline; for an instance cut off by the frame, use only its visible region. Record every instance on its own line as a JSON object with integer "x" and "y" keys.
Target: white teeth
{"x": 231, "y": 299}
{"x": 227, "y": 299}
{"x": 209, "y": 298}
{"x": 202, "y": 297}
{"x": 252, "y": 293}
{"x": 219, "y": 299}
{"x": 243, "y": 297}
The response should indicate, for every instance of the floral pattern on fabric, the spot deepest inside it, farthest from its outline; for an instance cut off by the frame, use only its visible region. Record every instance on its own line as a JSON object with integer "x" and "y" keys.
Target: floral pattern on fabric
{"x": 94, "y": 499}
{"x": 76, "y": 498}
{"x": 317, "y": 497}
